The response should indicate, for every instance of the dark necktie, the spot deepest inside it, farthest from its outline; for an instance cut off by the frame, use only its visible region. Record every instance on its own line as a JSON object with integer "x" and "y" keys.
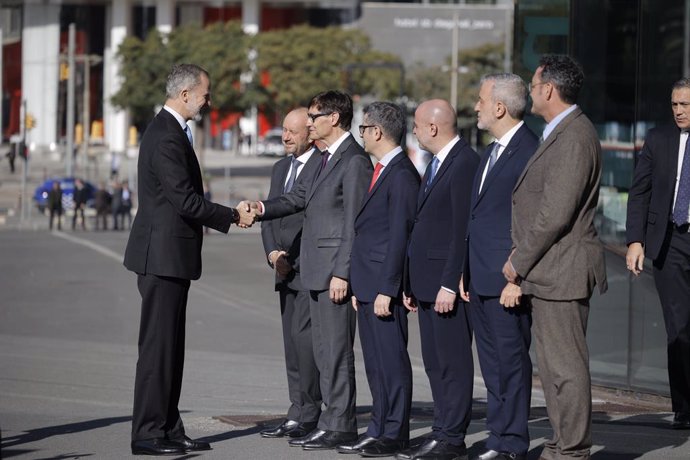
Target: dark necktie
{"x": 188, "y": 132}
{"x": 324, "y": 160}
{"x": 432, "y": 173}
{"x": 680, "y": 209}
{"x": 377, "y": 171}
{"x": 292, "y": 176}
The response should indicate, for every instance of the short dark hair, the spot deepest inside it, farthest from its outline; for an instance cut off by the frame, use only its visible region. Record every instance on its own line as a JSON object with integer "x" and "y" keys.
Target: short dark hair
{"x": 682, "y": 83}
{"x": 564, "y": 73}
{"x": 389, "y": 117}
{"x": 183, "y": 76}
{"x": 335, "y": 102}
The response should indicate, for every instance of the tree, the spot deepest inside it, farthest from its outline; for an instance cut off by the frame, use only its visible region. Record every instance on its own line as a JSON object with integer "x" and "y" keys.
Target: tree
{"x": 301, "y": 61}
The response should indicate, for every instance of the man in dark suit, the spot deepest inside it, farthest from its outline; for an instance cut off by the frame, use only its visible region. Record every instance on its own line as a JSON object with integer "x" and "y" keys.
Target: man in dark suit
{"x": 281, "y": 239}
{"x": 657, "y": 226}
{"x": 55, "y": 205}
{"x": 435, "y": 258}
{"x": 382, "y": 228}
{"x": 164, "y": 249}
{"x": 502, "y": 333}
{"x": 557, "y": 257}
{"x": 79, "y": 198}
{"x": 330, "y": 205}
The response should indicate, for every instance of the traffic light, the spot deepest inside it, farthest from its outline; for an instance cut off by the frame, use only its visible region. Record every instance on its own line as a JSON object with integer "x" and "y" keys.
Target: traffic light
{"x": 29, "y": 121}
{"x": 22, "y": 150}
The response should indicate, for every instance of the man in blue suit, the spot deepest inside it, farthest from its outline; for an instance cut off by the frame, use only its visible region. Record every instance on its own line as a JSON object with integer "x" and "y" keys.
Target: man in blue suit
{"x": 435, "y": 259}
{"x": 382, "y": 227}
{"x": 502, "y": 332}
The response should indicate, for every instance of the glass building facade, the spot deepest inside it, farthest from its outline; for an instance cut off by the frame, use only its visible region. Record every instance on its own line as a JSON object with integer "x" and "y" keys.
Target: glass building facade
{"x": 631, "y": 52}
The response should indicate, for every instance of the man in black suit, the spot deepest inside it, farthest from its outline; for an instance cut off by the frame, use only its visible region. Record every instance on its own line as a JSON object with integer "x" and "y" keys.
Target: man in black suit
{"x": 281, "y": 239}
{"x": 435, "y": 260}
{"x": 501, "y": 330}
{"x": 382, "y": 228}
{"x": 164, "y": 249}
{"x": 330, "y": 206}
{"x": 657, "y": 226}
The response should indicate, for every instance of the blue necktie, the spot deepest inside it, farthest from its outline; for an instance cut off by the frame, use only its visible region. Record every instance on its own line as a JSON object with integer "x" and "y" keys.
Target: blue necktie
{"x": 493, "y": 156}
{"x": 188, "y": 132}
{"x": 680, "y": 209}
{"x": 432, "y": 173}
{"x": 293, "y": 175}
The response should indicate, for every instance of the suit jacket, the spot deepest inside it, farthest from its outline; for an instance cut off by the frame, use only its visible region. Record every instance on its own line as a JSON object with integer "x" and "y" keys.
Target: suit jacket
{"x": 285, "y": 234}
{"x": 436, "y": 251}
{"x": 330, "y": 205}
{"x": 382, "y": 228}
{"x": 488, "y": 231}
{"x": 166, "y": 235}
{"x": 557, "y": 249}
{"x": 651, "y": 195}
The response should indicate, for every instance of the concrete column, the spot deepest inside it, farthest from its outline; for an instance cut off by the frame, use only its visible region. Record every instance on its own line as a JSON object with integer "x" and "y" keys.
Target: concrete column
{"x": 165, "y": 15}
{"x": 251, "y": 15}
{"x": 118, "y": 23}
{"x": 40, "y": 68}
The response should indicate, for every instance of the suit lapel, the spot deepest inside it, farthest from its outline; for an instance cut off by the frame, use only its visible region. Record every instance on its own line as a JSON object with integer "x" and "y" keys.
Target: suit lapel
{"x": 439, "y": 174}
{"x": 501, "y": 162}
{"x": 382, "y": 177}
{"x": 330, "y": 165}
{"x": 547, "y": 143}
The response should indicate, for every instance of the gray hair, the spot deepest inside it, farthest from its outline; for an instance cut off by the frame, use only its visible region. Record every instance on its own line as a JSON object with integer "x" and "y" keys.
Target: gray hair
{"x": 181, "y": 77}
{"x": 682, "y": 83}
{"x": 509, "y": 89}
{"x": 389, "y": 117}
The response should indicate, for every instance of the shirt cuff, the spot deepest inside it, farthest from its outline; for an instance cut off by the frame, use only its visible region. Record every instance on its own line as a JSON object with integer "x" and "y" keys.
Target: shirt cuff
{"x": 448, "y": 290}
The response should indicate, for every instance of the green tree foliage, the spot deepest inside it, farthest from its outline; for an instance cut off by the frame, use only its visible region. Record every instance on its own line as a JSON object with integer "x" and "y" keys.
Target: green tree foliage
{"x": 434, "y": 82}
{"x": 219, "y": 48}
{"x": 303, "y": 60}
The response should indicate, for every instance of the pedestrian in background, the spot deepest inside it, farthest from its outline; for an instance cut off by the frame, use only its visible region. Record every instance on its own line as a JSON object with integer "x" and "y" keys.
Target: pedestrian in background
{"x": 126, "y": 206}
{"x": 55, "y": 205}
{"x": 102, "y": 204}
{"x": 79, "y": 200}
{"x": 116, "y": 203}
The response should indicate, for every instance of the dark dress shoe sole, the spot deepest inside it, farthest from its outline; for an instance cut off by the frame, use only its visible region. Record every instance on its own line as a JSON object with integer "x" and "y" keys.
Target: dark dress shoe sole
{"x": 156, "y": 448}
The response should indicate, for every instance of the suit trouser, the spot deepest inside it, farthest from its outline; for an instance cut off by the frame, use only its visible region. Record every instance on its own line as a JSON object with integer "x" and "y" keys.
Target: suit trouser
{"x": 53, "y": 213}
{"x": 158, "y": 381}
{"x": 78, "y": 210}
{"x": 672, "y": 278}
{"x": 333, "y": 334}
{"x": 302, "y": 374}
{"x": 559, "y": 329}
{"x": 388, "y": 368}
{"x": 447, "y": 353}
{"x": 503, "y": 339}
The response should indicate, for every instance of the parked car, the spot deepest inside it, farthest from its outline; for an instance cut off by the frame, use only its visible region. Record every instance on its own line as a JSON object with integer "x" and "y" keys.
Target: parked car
{"x": 67, "y": 186}
{"x": 272, "y": 143}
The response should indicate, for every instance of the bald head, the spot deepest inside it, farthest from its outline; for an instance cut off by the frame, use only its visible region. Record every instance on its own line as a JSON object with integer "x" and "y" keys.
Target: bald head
{"x": 434, "y": 124}
{"x": 295, "y": 132}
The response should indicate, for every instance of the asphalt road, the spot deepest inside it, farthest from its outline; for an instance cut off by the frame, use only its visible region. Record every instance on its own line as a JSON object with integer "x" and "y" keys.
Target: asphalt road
{"x": 68, "y": 329}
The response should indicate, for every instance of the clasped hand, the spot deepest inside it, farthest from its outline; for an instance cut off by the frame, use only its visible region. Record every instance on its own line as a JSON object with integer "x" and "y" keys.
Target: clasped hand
{"x": 249, "y": 212}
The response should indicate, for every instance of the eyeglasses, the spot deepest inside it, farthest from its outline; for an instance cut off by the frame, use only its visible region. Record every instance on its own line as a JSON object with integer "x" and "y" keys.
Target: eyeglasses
{"x": 531, "y": 86}
{"x": 314, "y": 116}
{"x": 363, "y": 128}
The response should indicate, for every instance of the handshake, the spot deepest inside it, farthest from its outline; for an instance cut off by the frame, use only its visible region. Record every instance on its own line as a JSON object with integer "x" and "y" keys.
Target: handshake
{"x": 248, "y": 211}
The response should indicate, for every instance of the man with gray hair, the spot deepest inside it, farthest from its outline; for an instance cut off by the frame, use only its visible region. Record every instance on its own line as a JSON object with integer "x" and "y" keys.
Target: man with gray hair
{"x": 501, "y": 329}
{"x": 657, "y": 226}
{"x": 164, "y": 250}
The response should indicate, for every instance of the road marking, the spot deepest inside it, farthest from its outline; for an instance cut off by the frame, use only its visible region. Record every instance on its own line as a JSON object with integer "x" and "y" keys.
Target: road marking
{"x": 91, "y": 245}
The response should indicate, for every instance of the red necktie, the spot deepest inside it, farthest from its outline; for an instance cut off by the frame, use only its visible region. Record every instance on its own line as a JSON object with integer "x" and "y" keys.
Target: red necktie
{"x": 377, "y": 171}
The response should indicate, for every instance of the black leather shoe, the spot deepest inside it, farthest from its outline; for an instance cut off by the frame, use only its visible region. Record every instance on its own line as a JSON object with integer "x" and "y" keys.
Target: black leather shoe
{"x": 383, "y": 448}
{"x": 156, "y": 446}
{"x": 681, "y": 421}
{"x": 356, "y": 446}
{"x": 302, "y": 429}
{"x": 280, "y": 430}
{"x": 329, "y": 440}
{"x": 189, "y": 444}
{"x": 495, "y": 455}
{"x": 311, "y": 436}
{"x": 437, "y": 450}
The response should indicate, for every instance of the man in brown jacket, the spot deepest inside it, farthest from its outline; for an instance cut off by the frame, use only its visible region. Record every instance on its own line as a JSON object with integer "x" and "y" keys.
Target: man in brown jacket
{"x": 557, "y": 257}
